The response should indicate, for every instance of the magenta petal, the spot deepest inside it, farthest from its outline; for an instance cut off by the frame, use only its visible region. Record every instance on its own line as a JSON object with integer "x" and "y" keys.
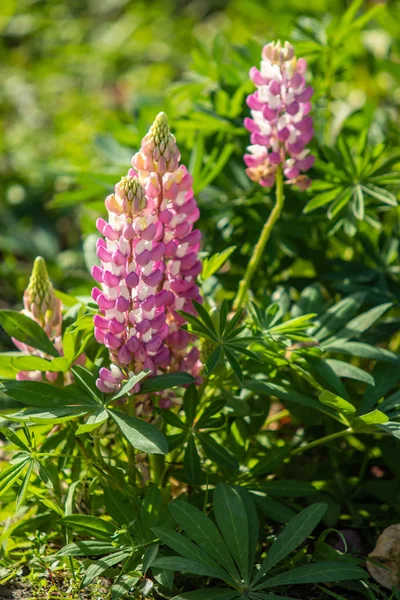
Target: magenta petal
{"x": 110, "y": 279}
{"x": 97, "y": 273}
{"x": 154, "y": 278}
{"x": 111, "y": 341}
{"x": 122, "y": 304}
{"x": 131, "y": 280}
{"x": 124, "y": 355}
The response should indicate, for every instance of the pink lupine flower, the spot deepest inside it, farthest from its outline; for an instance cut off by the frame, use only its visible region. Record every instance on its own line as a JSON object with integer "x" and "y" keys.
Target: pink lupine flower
{"x": 281, "y": 126}
{"x": 42, "y": 306}
{"x": 148, "y": 265}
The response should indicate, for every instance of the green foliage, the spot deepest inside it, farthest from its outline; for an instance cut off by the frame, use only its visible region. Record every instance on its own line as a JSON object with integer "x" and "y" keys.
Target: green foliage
{"x": 289, "y": 438}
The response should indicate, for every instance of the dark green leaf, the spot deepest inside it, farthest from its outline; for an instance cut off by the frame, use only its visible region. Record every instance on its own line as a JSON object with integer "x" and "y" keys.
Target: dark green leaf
{"x": 232, "y": 520}
{"x": 140, "y": 434}
{"x": 191, "y": 462}
{"x": 291, "y": 537}
{"x": 25, "y": 330}
{"x": 316, "y": 573}
{"x": 216, "y": 452}
{"x": 165, "y": 382}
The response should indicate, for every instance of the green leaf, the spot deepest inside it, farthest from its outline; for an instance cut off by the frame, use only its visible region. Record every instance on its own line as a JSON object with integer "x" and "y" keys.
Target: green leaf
{"x": 271, "y": 461}
{"x": 272, "y": 509}
{"x": 87, "y": 548}
{"x": 386, "y": 376}
{"x": 337, "y": 403}
{"x": 344, "y": 369}
{"x": 90, "y": 525}
{"x": 87, "y": 382}
{"x": 14, "y": 439}
{"x": 35, "y": 363}
{"x": 337, "y": 316}
{"x": 126, "y": 388}
{"x": 380, "y": 194}
{"x": 374, "y": 417}
{"x": 290, "y": 488}
{"x": 187, "y": 549}
{"x": 165, "y": 382}
{"x": 94, "y": 421}
{"x": 24, "y": 486}
{"x": 185, "y": 565}
{"x": 359, "y": 324}
{"x": 141, "y": 435}
{"x": 102, "y": 564}
{"x": 205, "y": 317}
{"x": 322, "y": 199}
{"x": 191, "y": 462}
{"x": 362, "y": 350}
{"x": 204, "y": 532}
{"x": 52, "y": 415}
{"x": 190, "y": 403}
{"x": 208, "y": 594}
{"x": 316, "y": 573}
{"x": 232, "y": 521}
{"x": 234, "y": 365}
{"x": 43, "y": 395}
{"x": 10, "y": 475}
{"x": 358, "y": 203}
{"x": 291, "y": 537}
{"x": 213, "y": 360}
{"x": 223, "y": 315}
{"x": 25, "y": 330}
{"x": 214, "y": 263}
{"x": 253, "y": 521}
{"x": 118, "y": 507}
{"x": 216, "y": 452}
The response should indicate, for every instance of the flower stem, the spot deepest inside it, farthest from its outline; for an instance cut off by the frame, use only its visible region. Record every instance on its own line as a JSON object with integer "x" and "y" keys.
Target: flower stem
{"x": 260, "y": 246}
{"x": 324, "y": 440}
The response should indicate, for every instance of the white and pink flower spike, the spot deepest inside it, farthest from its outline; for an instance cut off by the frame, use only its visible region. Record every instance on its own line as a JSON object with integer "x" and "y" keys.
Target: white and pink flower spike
{"x": 149, "y": 264}
{"x": 280, "y": 126}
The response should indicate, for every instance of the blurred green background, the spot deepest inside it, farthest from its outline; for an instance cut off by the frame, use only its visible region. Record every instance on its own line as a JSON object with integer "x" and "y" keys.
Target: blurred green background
{"x": 83, "y": 79}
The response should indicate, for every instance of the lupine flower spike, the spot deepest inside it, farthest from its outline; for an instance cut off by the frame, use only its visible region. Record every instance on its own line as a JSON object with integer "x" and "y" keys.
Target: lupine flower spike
{"x": 280, "y": 126}
{"x": 148, "y": 265}
{"x": 42, "y": 306}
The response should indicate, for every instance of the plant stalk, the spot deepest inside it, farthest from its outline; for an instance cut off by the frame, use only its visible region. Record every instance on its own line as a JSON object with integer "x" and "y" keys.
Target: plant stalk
{"x": 263, "y": 239}
{"x": 324, "y": 440}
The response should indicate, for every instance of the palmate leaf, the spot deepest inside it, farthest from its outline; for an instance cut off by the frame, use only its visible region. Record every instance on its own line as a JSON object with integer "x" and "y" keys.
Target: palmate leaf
{"x": 188, "y": 550}
{"x": 204, "y": 532}
{"x": 291, "y": 537}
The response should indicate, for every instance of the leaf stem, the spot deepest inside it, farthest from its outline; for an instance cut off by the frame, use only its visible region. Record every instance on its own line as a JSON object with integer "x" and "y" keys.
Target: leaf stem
{"x": 260, "y": 246}
{"x": 324, "y": 440}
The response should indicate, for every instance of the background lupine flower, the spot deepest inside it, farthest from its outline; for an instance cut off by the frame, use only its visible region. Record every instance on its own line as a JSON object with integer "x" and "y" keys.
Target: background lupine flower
{"x": 148, "y": 265}
{"x": 42, "y": 306}
{"x": 281, "y": 126}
